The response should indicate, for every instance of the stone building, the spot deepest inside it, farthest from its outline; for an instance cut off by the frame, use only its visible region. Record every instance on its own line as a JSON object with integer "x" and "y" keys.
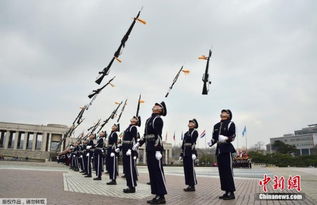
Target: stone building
{"x": 304, "y": 140}
{"x": 30, "y": 141}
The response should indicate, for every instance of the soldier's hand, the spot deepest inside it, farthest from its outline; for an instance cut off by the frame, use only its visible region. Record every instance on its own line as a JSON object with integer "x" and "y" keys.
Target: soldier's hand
{"x": 128, "y": 153}
{"x": 194, "y": 156}
{"x": 222, "y": 138}
{"x": 158, "y": 155}
{"x": 117, "y": 150}
{"x": 112, "y": 154}
{"x": 136, "y": 146}
{"x": 180, "y": 158}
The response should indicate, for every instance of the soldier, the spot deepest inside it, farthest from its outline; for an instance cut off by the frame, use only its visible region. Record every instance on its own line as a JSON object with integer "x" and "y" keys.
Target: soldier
{"x": 223, "y": 134}
{"x": 154, "y": 148}
{"x": 189, "y": 154}
{"x": 98, "y": 155}
{"x": 111, "y": 154}
{"x": 89, "y": 153}
{"x": 128, "y": 141}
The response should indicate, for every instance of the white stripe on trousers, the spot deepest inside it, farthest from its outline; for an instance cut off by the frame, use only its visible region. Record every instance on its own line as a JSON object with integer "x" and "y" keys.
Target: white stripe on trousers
{"x": 98, "y": 165}
{"x": 163, "y": 176}
{"x": 194, "y": 173}
{"x": 131, "y": 172}
{"x": 114, "y": 167}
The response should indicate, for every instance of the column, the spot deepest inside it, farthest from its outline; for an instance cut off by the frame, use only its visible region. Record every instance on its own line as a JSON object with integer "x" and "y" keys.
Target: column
{"x": 166, "y": 156}
{"x": 44, "y": 140}
{"x": 16, "y": 140}
{"x": 144, "y": 156}
{"x": 61, "y": 147}
{"x": 25, "y": 141}
{"x": 49, "y": 142}
{"x": 34, "y": 141}
{"x": 6, "y": 139}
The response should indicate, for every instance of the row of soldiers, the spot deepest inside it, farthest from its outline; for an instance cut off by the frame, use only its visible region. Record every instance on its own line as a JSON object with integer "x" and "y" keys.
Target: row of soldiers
{"x": 81, "y": 155}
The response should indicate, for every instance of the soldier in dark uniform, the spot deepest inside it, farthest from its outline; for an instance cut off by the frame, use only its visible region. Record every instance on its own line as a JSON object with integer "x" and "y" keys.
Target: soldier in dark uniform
{"x": 154, "y": 148}
{"x": 89, "y": 154}
{"x": 111, "y": 154}
{"x": 98, "y": 155}
{"x": 189, "y": 154}
{"x": 129, "y": 139}
{"x": 223, "y": 134}
{"x": 84, "y": 156}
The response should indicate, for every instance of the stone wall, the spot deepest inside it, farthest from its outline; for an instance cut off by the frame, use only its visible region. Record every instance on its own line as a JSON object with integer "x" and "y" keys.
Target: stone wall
{"x": 25, "y": 154}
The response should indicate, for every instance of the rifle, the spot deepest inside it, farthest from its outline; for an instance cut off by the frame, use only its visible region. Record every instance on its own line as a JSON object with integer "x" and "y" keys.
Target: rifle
{"x": 137, "y": 111}
{"x": 96, "y": 92}
{"x": 205, "y": 79}
{"x": 174, "y": 81}
{"x": 105, "y": 71}
{"x": 112, "y": 116}
{"x": 122, "y": 109}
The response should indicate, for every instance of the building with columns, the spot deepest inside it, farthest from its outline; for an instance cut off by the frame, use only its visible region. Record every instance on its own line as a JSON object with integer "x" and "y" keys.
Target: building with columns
{"x": 30, "y": 141}
{"x": 167, "y": 154}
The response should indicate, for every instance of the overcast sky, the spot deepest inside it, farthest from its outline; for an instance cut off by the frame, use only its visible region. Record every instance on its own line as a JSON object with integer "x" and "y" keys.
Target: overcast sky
{"x": 263, "y": 66}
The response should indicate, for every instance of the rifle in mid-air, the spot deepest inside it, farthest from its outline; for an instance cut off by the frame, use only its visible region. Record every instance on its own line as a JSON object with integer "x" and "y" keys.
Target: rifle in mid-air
{"x": 205, "y": 79}
{"x": 116, "y": 55}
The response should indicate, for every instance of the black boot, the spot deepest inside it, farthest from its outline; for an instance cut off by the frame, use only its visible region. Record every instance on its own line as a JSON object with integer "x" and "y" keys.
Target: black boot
{"x": 159, "y": 200}
{"x": 112, "y": 182}
{"x": 129, "y": 190}
{"x": 229, "y": 196}
{"x": 88, "y": 175}
{"x": 97, "y": 178}
{"x": 224, "y": 195}
{"x": 148, "y": 183}
{"x": 153, "y": 200}
{"x": 189, "y": 188}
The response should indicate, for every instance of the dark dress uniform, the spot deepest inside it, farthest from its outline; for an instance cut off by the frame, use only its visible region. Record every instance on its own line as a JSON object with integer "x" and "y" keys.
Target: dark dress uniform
{"x": 112, "y": 161}
{"x": 89, "y": 154}
{"x": 224, "y": 152}
{"x": 84, "y": 158}
{"x": 188, "y": 149}
{"x": 98, "y": 157}
{"x": 153, "y": 140}
{"x": 129, "y": 139}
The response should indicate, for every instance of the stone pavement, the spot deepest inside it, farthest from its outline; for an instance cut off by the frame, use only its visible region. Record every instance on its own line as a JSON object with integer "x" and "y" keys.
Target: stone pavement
{"x": 63, "y": 186}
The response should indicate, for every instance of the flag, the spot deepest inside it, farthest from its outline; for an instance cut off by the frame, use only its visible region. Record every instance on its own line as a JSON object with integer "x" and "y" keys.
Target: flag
{"x": 244, "y": 131}
{"x": 203, "y": 134}
{"x": 182, "y": 136}
{"x": 174, "y": 136}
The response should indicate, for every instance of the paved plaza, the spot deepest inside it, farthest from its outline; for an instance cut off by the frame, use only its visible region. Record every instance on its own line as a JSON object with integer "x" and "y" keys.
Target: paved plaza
{"x": 61, "y": 185}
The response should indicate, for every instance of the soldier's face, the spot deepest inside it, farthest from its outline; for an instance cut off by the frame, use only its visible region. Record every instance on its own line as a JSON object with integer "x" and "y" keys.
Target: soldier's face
{"x": 156, "y": 109}
{"x": 102, "y": 134}
{"x": 133, "y": 121}
{"x": 191, "y": 125}
{"x": 224, "y": 116}
{"x": 114, "y": 128}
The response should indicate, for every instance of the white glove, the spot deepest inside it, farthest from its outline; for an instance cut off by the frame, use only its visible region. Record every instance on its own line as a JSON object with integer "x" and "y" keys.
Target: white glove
{"x": 180, "y": 158}
{"x": 128, "y": 153}
{"x": 87, "y": 154}
{"x": 117, "y": 150}
{"x": 211, "y": 142}
{"x": 136, "y": 146}
{"x": 158, "y": 155}
{"x": 194, "y": 156}
{"x": 134, "y": 157}
{"x": 89, "y": 146}
{"x": 222, "y": 138}
{"x": 112, "y": 154}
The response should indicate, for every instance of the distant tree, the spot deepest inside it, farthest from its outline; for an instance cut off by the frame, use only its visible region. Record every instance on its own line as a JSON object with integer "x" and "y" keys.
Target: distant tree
{"x": 283, "y": 148}
{"x": 313, "y": 151}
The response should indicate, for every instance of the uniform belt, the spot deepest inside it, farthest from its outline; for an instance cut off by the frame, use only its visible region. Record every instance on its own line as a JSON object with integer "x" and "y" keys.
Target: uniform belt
{"x": 99, "y": 148}
{"x": 126, "y": 142}
{"x": 188, "y": 144}
{"x": 150, "y": 137}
